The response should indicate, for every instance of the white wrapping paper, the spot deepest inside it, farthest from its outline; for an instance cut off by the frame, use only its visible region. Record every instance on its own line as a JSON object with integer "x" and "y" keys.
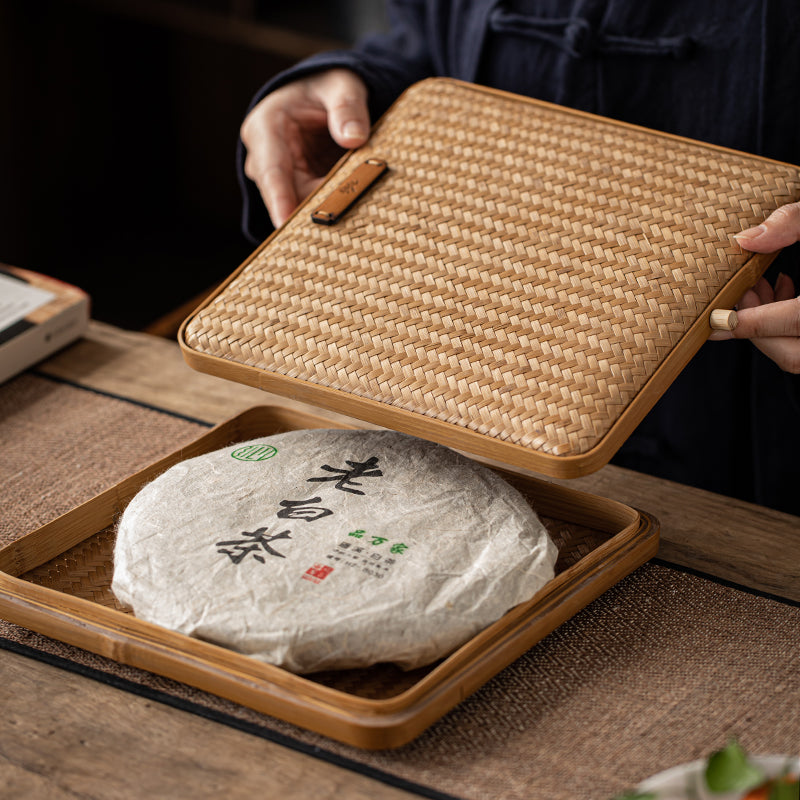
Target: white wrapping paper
{"x": 320, "y": 549}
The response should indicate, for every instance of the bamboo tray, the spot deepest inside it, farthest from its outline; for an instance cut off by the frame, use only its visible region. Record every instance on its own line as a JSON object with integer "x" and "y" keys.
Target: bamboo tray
{"x": 523, "y": 281}
{"x": 56, "y": 580}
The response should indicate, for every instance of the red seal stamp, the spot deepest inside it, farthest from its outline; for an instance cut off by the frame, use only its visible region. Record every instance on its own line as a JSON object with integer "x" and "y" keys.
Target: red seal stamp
{"x": 317, "y": 573}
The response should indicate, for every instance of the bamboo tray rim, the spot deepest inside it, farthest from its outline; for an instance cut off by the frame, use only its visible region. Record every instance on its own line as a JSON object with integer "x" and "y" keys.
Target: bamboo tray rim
{"x": 365, "y": 722}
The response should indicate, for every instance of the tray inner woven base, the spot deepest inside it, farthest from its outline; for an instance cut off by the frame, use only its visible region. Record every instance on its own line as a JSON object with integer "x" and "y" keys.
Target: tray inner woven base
{"x": 520, "y": 271}
{"x": 86, "y": 571}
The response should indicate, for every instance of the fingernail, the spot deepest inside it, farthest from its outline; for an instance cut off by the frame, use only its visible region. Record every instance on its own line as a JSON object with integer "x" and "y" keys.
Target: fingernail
{"x": 720, "y": 336}
{"x": 353, "y": 130}
{"x": 751, "y": 233}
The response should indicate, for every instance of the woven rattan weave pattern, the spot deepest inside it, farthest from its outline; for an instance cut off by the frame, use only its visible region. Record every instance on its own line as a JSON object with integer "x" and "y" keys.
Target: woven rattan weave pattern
{"x": 521, "y": 271}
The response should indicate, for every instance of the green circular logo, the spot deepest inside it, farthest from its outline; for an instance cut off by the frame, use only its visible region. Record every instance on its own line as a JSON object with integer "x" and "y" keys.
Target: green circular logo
{"x": 254, "y": 452}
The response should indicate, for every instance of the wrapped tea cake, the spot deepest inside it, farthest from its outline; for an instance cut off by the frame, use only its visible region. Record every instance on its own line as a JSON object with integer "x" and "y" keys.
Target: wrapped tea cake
{"x": 320, "y": 549}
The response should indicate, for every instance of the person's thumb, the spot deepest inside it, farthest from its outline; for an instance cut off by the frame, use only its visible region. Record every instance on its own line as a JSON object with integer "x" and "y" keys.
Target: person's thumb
{"x": 779, "y": 229}
{"x": 344, "y": 96}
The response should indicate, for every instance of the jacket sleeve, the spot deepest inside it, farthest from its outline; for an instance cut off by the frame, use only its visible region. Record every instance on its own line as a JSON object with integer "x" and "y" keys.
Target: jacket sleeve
{"x": 387, "y": 63}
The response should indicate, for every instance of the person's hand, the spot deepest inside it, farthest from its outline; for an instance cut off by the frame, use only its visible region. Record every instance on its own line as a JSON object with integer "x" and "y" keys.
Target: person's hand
{"x": 771, "y": 317}
{"x": 296, "y": 133}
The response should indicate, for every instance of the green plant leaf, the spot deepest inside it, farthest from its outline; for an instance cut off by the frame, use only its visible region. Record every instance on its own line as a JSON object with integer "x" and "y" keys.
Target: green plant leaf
{"x": 728, "y": 770}
{"x": 639, "y": 796}
{"x": 785, "y": 790}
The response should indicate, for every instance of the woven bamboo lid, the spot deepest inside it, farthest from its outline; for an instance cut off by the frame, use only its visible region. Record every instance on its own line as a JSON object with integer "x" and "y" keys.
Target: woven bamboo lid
{"x": 523, "y": 283}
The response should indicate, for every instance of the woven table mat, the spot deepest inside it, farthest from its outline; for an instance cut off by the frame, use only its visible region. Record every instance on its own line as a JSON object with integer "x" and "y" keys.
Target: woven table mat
{"x": 662, "y": 669}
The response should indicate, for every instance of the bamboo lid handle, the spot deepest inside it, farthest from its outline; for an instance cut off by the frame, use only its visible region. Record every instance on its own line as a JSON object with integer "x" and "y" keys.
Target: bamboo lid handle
{"x": 723, "y": 319}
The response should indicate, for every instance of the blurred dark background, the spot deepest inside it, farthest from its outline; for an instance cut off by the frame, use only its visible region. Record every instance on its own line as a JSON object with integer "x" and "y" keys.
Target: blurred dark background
{"x": 118, "y": 129}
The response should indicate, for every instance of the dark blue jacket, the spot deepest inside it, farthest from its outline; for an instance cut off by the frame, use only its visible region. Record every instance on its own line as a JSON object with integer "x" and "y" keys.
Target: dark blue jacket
{"x": 722, "y": 71}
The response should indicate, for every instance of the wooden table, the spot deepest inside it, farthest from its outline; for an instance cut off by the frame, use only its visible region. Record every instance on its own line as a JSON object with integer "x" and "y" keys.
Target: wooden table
{"x": 137, "y": 747}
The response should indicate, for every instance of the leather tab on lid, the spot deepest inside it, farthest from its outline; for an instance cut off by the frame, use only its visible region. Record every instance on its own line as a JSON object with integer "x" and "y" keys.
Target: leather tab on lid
{"x": 337, "y": 203}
